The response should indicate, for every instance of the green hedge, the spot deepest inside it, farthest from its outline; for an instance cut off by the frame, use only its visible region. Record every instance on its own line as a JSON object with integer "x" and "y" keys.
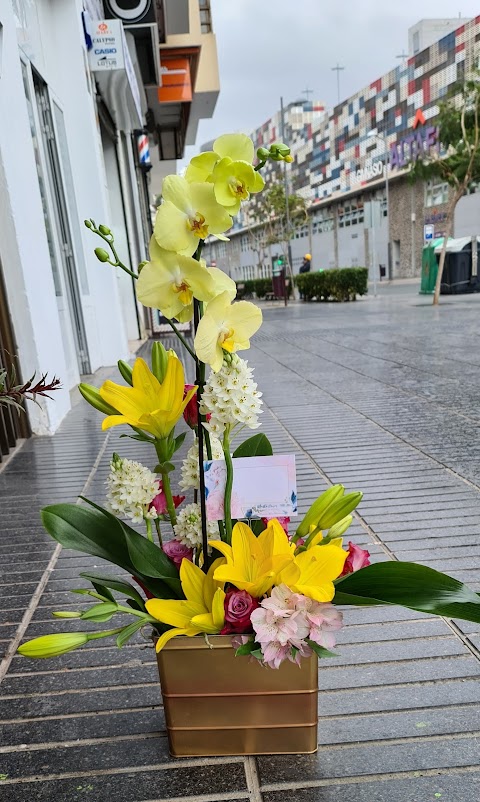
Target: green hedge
{"x": 342, "y": 284}
{"x": 258, "y": 287}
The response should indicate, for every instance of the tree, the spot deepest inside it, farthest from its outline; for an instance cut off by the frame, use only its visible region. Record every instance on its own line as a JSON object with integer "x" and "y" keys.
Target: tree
{"x": 458, "y": 162}
{"x": 272, "y": 224}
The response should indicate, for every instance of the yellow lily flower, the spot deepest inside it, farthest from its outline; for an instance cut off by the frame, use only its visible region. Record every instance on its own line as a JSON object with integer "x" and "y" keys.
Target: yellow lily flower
{"x": 312, "y": 572}
{"x": 203, "y": 610}
{"x": 170, "y": 282}
{"x": 225, "y": 327}
{"x": 149, "y": 405}
{"x": 188, "y": 213}
{"x": 253, "y": 563}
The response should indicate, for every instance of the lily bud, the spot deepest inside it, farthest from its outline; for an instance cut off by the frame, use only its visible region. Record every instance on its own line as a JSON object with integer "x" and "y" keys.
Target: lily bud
{"x": 125, "y": 371}
{"x": 95, "y": 400}
{"x": 101, "y": 255}
{"x": 53, "y": 645}
{"x": 66, "y": 614}
{"x": 159, "y": 361}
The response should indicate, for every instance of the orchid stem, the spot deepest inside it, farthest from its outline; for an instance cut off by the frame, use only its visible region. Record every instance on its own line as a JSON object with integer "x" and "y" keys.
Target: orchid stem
{"x": 183, "y": 340}
{"x": 159, "y": 532}
{"x": 227, "y": 503}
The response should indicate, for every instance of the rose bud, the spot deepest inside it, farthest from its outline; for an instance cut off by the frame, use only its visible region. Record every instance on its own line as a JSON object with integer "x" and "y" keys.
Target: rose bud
{"x": 190, "y": 412}
{"x": 239, "y": 606}
{"x": 357, "y": 558}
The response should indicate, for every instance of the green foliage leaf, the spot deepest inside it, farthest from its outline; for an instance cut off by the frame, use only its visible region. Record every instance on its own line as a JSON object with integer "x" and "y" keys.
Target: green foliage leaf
{"x": 115, "y": 584}
{"x": 150, "y": 561}
{"x": 409, "y": 585}
{"x": 257, "y": 446}
{"x": 179, "y": 440}
{"x": 128, "y": 632}
{"x": 246, "y": 648}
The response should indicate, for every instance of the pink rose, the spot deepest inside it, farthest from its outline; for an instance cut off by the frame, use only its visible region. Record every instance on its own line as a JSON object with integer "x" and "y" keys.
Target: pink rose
{"x": 357, "y": 558}
{"x": 239, "y": 606}
{"x": 177, "y": 552}
{"x": 160, "y": 502}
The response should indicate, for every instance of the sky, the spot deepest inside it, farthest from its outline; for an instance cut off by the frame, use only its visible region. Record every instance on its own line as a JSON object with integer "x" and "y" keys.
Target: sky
{"x": 269, "y": 49}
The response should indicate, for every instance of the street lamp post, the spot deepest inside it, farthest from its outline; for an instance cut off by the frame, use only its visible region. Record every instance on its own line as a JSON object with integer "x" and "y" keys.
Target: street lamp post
{"x": 382, "y": 138}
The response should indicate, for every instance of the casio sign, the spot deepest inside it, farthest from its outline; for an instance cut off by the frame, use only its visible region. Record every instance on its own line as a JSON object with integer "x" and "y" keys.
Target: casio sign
{"x": 105, "y": 51}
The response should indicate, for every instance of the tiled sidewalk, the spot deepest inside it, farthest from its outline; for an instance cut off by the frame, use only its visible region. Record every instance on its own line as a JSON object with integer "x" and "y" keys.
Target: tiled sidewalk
{"x": 380, "y": 395}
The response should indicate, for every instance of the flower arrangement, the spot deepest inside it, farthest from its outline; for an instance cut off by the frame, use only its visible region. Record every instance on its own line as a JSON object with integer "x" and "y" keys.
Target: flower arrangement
{"x": 275, "y": 592}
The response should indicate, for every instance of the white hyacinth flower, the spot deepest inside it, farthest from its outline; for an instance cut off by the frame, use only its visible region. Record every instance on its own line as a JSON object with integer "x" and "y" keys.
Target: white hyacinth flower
{"x": 189, "y": 470}
{"x": 188, "y": 529}
{"x": 231, "y": 397}
{"x": 131, "y": 490}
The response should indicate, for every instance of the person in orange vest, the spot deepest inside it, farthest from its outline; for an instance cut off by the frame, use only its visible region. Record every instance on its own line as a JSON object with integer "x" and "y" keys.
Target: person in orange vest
{"x": 306, "y": 265}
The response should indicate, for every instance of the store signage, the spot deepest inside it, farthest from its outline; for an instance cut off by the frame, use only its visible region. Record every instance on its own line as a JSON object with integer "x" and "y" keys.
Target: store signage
{"x": 107, "y": 51}
{"x": 428, "y": 232}
{"x": 176, "y": 80}
{"x": 367, "y": 173}
{"x": 414, "y": 146}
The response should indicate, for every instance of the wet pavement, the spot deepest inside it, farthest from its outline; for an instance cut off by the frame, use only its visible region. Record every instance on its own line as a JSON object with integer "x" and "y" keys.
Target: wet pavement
{"x": 381, "y": 395}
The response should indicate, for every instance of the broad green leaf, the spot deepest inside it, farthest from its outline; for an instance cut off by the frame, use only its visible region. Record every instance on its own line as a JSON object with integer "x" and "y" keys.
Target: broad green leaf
{"x": 257, "y": 446}
{"x": 87, "y": 530}
{"x": 128, "y": 632}
{"x": 409, "y": 585}
{"x": 103, "y": 591}
{"x": 150, "y": 561}
{"x": 179, "y": 440}
{"x": 115, "y": 584}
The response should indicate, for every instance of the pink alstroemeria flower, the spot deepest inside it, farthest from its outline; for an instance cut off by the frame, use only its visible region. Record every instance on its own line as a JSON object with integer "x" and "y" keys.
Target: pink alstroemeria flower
{"x": 357, "y": 558}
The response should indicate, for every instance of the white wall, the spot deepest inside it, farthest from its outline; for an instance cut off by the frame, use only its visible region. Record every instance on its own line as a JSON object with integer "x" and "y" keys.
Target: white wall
{"x": 51, "y": 37}
{"x": 23, "y": 243}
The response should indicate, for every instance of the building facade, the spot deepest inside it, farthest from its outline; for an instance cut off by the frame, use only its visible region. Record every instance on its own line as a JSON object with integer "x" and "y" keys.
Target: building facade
{"x": 342, "y": 160}
{"x": 86, "y": 120}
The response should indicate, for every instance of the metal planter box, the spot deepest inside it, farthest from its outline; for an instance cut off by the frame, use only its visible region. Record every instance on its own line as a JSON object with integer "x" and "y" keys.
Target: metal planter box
{"x": 219, "y": 704}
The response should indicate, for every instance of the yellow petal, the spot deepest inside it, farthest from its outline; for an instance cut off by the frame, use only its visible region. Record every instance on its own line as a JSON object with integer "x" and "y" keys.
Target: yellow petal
{"x": 128, "y": 401}
{"x": 173, "y": 612}
{"x": 210, "y": 584}
{"x": 218, "y": 609}
{"x": 203, "y": 201}
{"x": 113, "y": 420}
{"x": 206, "y": 344}
{"x": 172, "y": 231}
{"x": 146, "y": 383}
{"x": 235, "y": 146}
{"x": 223, "y": 548}
{"x": 192, "y": 579}
{"x": 245, "y": 319}
{"x": 168, "y": 635}
{"x": 201, "y": 167}
{"x": 176, "y": 190}
{"x": 222, "y": 283}
{"x": 259, "y": 183}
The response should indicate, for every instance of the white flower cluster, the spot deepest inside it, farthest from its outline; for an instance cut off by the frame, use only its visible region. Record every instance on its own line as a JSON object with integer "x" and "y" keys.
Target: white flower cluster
{"x": 131, "y": 489}
{"x": 231, "y": 397}
{"x": 190, "y": 463}
{"x": 188, "y": 529}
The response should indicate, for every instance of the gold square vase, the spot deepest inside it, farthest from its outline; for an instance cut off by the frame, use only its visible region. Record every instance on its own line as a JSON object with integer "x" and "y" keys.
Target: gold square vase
{"x": 219, "y": 704}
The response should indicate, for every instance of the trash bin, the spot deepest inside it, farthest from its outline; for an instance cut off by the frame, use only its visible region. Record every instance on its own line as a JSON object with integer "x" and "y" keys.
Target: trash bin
{"x": 383, "y": 271}
{"x": 458, "y": 275}
{"x": 430, "y": 266}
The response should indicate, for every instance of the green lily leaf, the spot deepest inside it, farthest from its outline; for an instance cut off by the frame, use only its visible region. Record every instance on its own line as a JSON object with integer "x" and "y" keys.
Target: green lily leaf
{"x": 150, "y": 561}
{"x": 179, "y": 440}
{"x": 115, "y": 584}
{"x": 257, "y": 446}
{"x": 320, "y": 650}
{"x": 409, "y": 585}
{"x": 128, "y": 632}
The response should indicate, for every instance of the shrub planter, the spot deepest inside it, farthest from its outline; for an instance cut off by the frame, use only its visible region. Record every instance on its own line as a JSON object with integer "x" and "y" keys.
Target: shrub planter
{"x": 342, "y": 284}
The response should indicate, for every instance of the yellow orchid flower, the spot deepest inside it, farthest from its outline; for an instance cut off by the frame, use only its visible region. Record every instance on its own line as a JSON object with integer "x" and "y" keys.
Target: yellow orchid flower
{"x": 203, "y": 610}
{"x": 149, "y": 405}
{"x": 237, "y": 147}
{"x": 225, "y": 327}
{"x": 312, "y": 572}
{"x": 188, "y": 213}
{"x": 229, "y": 168}
{"x": 170, "y": 282}
{"x": 253, "y": 563}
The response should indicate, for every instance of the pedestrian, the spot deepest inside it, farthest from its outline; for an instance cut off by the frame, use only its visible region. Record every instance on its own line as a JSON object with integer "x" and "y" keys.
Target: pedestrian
{"x": 306, "y": 265}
